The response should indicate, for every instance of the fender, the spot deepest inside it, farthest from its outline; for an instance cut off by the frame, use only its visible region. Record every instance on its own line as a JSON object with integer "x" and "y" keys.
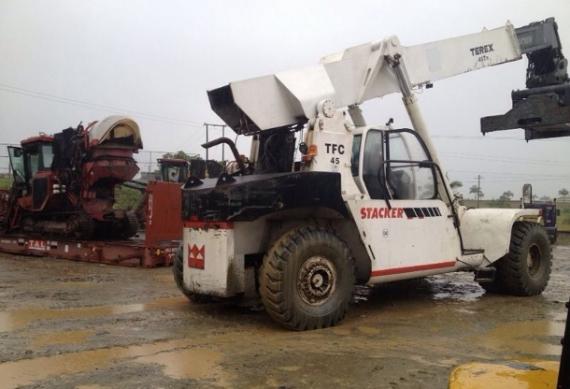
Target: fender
{"x": 490, "y": 229}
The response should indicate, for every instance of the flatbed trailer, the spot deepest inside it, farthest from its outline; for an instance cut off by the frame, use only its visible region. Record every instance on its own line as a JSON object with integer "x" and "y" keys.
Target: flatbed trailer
{"x": 154, "y": 247}
{"x": 133, "y": 252}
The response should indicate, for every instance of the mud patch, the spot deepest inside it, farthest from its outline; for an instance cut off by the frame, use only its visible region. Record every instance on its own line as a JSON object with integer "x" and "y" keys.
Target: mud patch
{"x": 12, "y": 320}
{"x": 61, "y": 338}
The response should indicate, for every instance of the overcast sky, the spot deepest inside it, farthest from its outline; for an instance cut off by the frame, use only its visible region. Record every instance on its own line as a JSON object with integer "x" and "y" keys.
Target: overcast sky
{"x": 62, "y": 62}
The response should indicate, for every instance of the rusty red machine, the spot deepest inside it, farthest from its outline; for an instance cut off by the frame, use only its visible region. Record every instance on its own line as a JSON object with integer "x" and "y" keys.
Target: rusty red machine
{"x": 62, "y": 200}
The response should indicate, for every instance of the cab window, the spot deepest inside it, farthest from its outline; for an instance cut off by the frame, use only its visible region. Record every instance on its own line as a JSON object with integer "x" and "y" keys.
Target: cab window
{"x": 373, "y": 165}
{"x": 355, "y": 157}
{"x": 32, "y": 161}
{"x": 47, "y": 156}
{"x": 407, "y": 179}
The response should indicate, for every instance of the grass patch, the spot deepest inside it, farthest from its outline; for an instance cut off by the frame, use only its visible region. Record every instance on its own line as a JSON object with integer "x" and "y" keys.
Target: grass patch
{"x": 5, "y": 182}
{"x": 126, "y": 198}
{"x": 563, "y": 221}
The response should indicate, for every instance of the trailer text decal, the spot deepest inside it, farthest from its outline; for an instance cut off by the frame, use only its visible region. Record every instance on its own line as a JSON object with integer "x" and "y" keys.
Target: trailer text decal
{"x": 398, "y": 213}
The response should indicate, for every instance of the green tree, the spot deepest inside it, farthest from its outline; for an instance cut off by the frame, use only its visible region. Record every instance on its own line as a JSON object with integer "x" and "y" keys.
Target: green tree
{"x": 476, "y": 191}
{"x": 506, "y": 196}
{"x": 563, "y": 192}
{"x": 181, "y": 155}
{"x": 456, "y": 184}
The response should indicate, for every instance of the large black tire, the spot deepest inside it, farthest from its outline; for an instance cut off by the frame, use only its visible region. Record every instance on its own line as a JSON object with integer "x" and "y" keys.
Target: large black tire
{"x": 178, "y": 273}
{"x": 130, "y": 225}
{"x": 493, "y": 286}
{"x": 525, "y": 270}
{"x": 306, "y": 279}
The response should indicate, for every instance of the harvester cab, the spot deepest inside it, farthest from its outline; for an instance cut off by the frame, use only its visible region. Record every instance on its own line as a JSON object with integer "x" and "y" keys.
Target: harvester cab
{"x": 64, "y": 184}
{"x": 365, "y": 204}
{"x": 173, "y": 170}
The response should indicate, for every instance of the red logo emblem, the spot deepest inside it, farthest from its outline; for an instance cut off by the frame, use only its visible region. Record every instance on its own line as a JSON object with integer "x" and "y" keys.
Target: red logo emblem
{"x": 196, "y": 256}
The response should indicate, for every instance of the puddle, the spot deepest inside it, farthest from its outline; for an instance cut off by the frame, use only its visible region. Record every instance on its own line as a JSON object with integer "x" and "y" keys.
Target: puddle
{"x": 540, "y": 337}
{"x": 59, "y": 338}
{"x": 60, "y": 285}
{"x": 369, "y": 330}
{"x": 195, "y": 363}
{"x": 342, "y": 331}
{"x": 12, "y": 320}
{"x": 165, "y": 278}
{"x": 290, "y": 368}
{"x": 444, "y": 289}
{"x": 26, "y": 371}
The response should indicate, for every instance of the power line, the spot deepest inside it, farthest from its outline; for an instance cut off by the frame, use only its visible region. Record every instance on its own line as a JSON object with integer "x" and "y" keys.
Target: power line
{"x": 103, "y": 107}
{"x": 511, "y": 174}
{"x": 502, "y": 138}
{"x": 479, "y": 157}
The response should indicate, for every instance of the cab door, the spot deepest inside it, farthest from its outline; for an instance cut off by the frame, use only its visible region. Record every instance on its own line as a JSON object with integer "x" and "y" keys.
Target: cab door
{"x": 16, "y": 156}
{"x": 405, "y": 226}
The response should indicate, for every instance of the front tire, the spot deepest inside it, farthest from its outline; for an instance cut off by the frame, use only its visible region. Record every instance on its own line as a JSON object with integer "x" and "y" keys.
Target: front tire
{"x": 306, "y": 279}
{"x": 525, "y": 270}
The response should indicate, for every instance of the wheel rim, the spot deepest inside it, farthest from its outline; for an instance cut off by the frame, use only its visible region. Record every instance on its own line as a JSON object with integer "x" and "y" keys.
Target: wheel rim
{"x": 533, "y": 259}
{"x": 317, "y": 280}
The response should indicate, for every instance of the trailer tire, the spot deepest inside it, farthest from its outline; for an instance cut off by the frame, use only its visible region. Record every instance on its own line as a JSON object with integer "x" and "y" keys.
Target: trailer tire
{"x": 525, "y": 270}
{"x": 130, "y": 225}
{"x": 178, "y": 273}
{"x": 306, "y": 279}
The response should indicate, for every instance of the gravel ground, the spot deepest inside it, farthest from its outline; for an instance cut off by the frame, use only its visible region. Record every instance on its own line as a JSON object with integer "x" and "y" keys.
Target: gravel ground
{"x": 77, "y": 325}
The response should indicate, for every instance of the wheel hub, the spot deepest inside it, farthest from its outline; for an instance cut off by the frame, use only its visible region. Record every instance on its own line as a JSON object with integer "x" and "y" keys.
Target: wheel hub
{"x": 533, "y": 259}
{"x": 316, "y": 280}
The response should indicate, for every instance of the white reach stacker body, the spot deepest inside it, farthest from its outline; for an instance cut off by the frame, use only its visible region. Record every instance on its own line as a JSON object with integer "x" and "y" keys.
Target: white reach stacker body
{"x": 365, "y": 205}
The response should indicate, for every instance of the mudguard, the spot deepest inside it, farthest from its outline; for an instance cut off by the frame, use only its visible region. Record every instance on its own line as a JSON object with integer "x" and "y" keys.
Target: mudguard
{"x": 490, "y": 229}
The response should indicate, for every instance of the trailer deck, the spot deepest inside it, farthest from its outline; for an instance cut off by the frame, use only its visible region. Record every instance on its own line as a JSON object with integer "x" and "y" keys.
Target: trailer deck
{"x": 154, "y": 247}
{"x": 132, "y": 252}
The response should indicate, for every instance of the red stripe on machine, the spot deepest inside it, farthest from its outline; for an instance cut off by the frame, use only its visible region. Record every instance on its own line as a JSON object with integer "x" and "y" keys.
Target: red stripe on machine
{"x": 411, "y": 269}
{"x": 221, "y": 225}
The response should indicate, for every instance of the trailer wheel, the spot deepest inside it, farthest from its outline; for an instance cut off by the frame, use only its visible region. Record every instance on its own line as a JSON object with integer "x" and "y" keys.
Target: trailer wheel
{"x": 178, "y": 273}
{"x": 130, "y": 225}
{"x": 306, "y": 279}
{"x": 525, "y": 270}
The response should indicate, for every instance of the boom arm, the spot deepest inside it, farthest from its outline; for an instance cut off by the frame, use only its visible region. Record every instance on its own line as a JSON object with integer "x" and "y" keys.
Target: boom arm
{"x": 291, "y": 98}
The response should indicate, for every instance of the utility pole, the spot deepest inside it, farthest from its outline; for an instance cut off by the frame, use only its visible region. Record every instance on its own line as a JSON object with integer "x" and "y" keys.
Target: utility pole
{"x": 207, "y": 139}
{"x": 223, "y": 144}
{"x": 478, "y": 188}
{"x": 223, "y": 127}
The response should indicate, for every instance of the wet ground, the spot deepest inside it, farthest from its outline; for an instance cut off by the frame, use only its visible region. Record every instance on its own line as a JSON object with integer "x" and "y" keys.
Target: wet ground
{"x": 76, "y": 325}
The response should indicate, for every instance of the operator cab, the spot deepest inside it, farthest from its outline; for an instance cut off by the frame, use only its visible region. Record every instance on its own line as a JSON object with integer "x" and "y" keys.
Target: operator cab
{"x": 31, "y": 165}
{"x": 36, "y": 154}
{"x": 393, "y": 165}
{"x": 173, "y": 170}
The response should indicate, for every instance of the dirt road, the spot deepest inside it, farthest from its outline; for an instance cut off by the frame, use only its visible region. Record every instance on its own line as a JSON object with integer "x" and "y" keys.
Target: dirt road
{"x": 65, "y": 324}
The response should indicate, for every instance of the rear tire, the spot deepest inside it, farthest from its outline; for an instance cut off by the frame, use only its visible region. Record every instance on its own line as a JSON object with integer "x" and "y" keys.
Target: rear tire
{"x": 306, "y": 279}
{"x": 525, "y": 270}
{"x": 178, "y": 273}
{"x": 491, "y": 286}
